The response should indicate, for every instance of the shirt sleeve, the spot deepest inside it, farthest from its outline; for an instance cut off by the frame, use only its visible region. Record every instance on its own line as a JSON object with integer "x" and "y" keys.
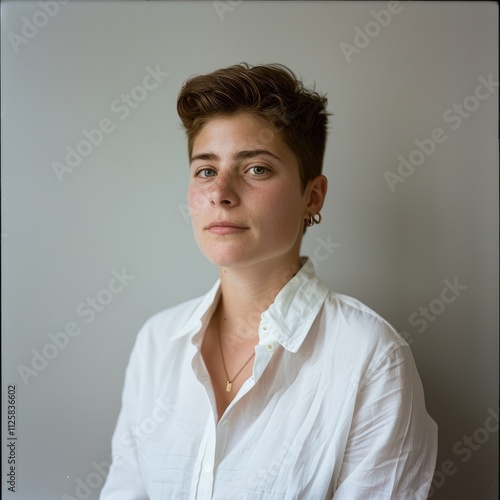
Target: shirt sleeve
{"x": 392, "y": 444}
{"x": 124, "y": 481}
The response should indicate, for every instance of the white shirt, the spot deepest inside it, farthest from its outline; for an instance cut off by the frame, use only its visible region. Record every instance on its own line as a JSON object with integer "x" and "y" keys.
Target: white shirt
{"x": 334, "y": 408}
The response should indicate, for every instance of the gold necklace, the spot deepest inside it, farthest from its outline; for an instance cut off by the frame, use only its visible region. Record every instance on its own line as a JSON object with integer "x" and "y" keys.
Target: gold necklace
{"x": 229, "y": 383}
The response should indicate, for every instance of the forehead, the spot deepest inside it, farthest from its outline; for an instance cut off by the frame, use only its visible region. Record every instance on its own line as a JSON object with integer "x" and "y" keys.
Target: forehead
{"x": 240, "y": 131}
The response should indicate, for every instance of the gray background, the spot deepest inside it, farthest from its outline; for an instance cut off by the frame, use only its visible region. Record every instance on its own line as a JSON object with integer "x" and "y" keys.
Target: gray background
{"x": 124, "y": 206}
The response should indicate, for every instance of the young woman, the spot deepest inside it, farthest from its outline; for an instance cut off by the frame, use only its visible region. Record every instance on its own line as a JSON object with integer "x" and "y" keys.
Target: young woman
{"x": 269, "y": 386}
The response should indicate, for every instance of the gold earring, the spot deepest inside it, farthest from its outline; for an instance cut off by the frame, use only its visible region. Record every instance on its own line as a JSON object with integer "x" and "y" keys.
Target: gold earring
{"x": 313, "y": 219}
{"x": 318, "y": 219}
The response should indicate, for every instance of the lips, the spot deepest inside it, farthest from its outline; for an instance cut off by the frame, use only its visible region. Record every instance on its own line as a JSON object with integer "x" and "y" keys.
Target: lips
{"x": 225, "y": 227}
{"x": 224, "y": 223}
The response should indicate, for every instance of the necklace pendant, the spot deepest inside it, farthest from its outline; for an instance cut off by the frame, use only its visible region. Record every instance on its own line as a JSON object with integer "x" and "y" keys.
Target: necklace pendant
{"x": 228, "y": 386}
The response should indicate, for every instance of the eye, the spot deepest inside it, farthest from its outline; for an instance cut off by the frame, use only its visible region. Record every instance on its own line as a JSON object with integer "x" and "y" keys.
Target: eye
{"x": 205, "y": 173}
{"x": 259, "y": 170}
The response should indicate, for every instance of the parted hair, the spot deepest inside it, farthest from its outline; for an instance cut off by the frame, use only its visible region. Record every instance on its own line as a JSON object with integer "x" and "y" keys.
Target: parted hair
{"x": 271, "y": 92}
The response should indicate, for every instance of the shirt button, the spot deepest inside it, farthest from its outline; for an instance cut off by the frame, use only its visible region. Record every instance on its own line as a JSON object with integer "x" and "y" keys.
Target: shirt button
{"x": 270, "y": 347}
{"x": 264, "y": 328}
{"x": 207, "y": 466}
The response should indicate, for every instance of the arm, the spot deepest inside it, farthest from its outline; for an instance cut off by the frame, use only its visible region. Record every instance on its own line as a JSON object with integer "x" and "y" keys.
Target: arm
{"x": 392, "y": 445}
{"x": 124, "y": 481}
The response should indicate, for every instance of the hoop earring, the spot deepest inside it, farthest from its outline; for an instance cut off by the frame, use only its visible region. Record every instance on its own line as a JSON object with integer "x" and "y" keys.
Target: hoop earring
{"x": 317, "y": 218}
{"x": 313, "y": 219}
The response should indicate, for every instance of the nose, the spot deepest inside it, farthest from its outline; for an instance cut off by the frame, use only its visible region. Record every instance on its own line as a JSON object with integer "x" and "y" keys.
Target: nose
{"x": 224, "y": 190}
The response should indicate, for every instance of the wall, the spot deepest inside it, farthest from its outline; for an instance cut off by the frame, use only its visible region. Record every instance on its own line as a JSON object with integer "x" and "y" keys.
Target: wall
{"x": 410, "y": 228}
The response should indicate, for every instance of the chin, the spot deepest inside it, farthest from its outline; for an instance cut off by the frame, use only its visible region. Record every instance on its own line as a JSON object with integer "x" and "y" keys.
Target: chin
{"x": 238, "y": 254}
{"x": 228, "y": 255}
{"x": 228, "y": 260}
{"x": 240, "y": 258}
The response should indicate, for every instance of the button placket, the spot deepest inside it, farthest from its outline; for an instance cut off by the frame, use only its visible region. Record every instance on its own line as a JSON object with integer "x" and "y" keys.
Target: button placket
{"x": 207, "y": 461}
{"x": 222, "y": 436}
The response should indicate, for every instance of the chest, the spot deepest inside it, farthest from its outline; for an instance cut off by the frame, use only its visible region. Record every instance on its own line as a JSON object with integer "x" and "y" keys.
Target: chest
{"x": 267, "y": 445}
{"x": 228, "y": 369}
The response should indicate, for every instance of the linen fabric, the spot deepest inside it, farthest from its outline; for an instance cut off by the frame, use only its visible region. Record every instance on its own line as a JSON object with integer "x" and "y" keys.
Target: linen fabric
{"x": 334, "y": 408}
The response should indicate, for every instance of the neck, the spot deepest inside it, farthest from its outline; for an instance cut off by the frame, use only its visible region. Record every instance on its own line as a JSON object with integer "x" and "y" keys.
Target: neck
{"x": 247, "y": 292}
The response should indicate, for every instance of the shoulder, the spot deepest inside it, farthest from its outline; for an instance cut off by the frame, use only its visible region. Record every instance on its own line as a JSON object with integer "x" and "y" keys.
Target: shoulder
{"x": 359, "y": 332}
{"x": 179, "y": 314}
{"x": 358, "y": 319}
{"x": 171, "y": 325}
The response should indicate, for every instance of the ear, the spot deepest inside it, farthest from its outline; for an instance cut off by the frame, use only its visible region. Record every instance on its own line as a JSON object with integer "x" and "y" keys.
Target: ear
{"x": 315, "y": 193}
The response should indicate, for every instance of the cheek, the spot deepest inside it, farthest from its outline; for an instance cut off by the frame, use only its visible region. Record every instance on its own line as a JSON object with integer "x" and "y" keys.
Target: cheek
{"x": 196, "y": 200}
{"x": 282, "y": 210}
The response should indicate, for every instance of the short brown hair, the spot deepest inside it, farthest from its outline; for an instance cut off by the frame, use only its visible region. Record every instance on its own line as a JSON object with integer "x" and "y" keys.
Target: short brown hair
{"x": 271, "y": 92}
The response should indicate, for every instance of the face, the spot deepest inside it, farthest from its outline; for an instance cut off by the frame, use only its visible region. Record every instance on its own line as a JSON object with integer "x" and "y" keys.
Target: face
{"x": 245, "y": 196}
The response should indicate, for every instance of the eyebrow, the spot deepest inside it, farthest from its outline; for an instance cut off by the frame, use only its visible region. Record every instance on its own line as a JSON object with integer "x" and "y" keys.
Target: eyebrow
{"x": 241, "y": 155}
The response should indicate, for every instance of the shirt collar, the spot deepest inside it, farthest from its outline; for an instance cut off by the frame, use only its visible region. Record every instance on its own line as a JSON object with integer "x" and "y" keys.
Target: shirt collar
{"x": 288, "y": 318}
